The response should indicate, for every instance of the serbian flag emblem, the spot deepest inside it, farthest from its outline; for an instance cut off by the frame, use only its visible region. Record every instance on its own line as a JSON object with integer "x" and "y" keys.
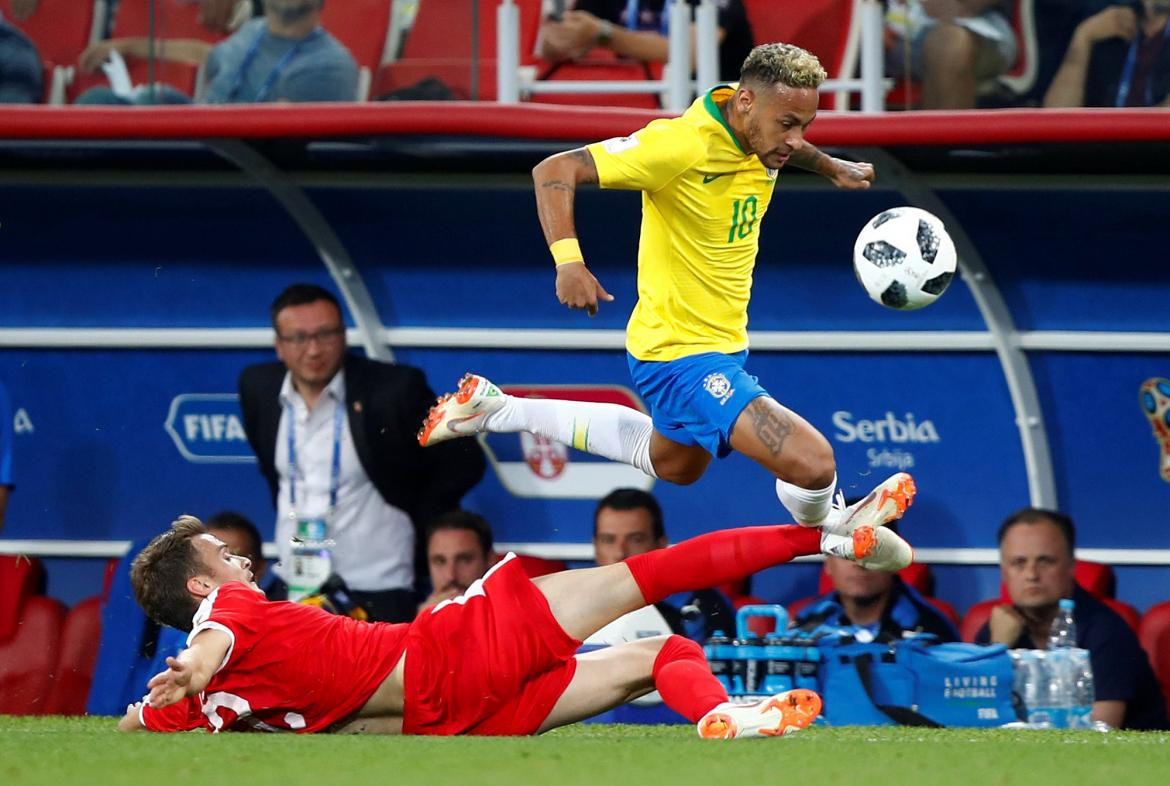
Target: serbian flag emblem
{"x": 529, "y": 465}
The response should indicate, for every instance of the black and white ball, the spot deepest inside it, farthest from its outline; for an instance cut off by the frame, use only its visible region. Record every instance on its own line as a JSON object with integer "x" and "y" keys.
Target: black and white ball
{"x": 904, "y": 258}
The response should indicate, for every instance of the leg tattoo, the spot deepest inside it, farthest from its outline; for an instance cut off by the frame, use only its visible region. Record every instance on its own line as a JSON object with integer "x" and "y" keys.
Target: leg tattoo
{"x": 772, "y": 427}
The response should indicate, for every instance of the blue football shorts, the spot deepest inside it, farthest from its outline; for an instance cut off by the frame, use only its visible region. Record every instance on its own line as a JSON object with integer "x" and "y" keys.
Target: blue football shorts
{"x": 696, "y": 400}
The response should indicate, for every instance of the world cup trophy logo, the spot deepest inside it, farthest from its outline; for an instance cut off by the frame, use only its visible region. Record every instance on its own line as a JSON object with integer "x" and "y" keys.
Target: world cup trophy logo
{"x": 1154, "y": 396}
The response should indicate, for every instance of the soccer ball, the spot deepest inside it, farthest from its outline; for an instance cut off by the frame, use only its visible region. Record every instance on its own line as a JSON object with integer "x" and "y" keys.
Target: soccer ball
{"x": 904, "y": 258}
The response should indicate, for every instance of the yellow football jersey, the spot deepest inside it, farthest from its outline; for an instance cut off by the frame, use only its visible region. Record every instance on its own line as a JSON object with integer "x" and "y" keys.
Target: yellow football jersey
{"x": 703, "y": 199}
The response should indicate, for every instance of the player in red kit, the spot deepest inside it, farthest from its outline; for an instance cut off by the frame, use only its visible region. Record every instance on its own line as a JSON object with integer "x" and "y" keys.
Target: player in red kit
{"x": 499, "y": 660}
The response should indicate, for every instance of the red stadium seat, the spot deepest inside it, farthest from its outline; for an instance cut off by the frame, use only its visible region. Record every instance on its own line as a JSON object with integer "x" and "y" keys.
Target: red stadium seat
{"x": 173, "y": 19}
{"x": 947, "y": 609}
{"x": 362, "y": 25}
{"x": 61, "y": 29}
{"x": 1127, "y": 612}
{"x": 20, "y": 579}
{"x": 976, "y": 617}
{"x": 108, "y": 577}
{"x": 601, "y": 65}
{"x": 28, "y": 658}
{"x": 823, "y": 27}
{"x": 1154, "y": 635}
{"x": 1020, "y": 77}
{"x": 80, "y": 635}
{"x": 1095, "y": 577}
{"x": 439, "y": 46}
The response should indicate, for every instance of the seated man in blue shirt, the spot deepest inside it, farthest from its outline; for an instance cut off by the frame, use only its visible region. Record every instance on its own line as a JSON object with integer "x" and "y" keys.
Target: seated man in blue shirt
{"x": 871, "y": 603}
{"x": 1036, "y": 561}
{"x": 284, "y": 56}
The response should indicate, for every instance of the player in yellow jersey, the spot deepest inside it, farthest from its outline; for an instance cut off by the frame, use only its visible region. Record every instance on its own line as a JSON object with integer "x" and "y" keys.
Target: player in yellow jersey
{"x": 706, "y": 180}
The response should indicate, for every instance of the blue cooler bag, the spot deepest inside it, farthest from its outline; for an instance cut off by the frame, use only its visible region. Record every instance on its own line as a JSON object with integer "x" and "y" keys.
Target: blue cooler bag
{"x": 915, "y": 682}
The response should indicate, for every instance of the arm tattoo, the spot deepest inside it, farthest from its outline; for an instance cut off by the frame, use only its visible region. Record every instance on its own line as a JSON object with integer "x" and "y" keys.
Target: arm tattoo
{"x": 560, "y": 185}
{"x": 811, "y": 159}
{"x": 586, "y": 160}
{"x": 772, "y": 426}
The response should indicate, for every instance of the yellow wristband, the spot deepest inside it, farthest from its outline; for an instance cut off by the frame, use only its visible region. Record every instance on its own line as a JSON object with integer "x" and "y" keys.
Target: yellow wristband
{"x": 566, "y": 250}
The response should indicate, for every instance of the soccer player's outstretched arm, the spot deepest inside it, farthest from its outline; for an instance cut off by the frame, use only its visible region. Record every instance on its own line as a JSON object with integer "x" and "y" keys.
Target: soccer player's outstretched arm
{"x": 556, "y": 179}
{"x": 189, "y": 672}
{"x": 850, "y": 175}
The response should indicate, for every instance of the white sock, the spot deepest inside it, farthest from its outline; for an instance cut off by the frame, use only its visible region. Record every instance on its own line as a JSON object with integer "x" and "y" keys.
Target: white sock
{"x": 610, "y": 430}
{"x": 808, "y": 507}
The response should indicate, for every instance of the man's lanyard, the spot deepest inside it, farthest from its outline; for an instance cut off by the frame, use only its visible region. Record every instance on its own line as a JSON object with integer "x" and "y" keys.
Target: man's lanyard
{"x": 1127, "y": 73}
{"x": 632, "y": 10}
{"x": 281, "y": 64}
{"x": 335, "y": 473}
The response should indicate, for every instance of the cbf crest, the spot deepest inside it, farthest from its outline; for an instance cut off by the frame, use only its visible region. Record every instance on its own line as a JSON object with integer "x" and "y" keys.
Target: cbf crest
{"x": 719, "y": 386}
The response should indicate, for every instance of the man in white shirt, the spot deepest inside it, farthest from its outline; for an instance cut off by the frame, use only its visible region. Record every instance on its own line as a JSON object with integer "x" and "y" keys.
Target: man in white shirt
{"x": 334, "y": 434}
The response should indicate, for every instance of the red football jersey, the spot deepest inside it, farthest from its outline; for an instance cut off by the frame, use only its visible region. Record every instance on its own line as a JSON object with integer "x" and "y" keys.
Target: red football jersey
{"x": 289, "y": 667}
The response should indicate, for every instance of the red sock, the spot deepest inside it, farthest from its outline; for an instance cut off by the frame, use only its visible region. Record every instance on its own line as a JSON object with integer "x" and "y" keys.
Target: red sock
{"x": 684, "y": 679}
{"x": 719, "y": 557}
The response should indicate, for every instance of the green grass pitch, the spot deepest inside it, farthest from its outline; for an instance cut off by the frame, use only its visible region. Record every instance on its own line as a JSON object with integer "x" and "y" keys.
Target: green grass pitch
{"x": 59, "y": 751}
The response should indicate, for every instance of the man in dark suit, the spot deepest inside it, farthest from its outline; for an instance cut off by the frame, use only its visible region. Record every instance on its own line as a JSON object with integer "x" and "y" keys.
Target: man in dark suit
{"x": 334, "y": 434}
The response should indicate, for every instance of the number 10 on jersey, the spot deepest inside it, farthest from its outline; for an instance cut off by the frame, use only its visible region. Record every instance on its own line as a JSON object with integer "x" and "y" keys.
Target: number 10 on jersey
{"x": 743, "y": 219}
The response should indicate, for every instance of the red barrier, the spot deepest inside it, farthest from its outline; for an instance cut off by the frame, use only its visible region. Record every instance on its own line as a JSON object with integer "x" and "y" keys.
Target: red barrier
{"x": 530, "y": 121}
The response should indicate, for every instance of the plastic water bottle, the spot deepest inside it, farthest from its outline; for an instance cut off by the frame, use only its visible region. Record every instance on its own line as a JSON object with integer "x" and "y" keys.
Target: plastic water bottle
{"x": 1084, "y": 691}
{"x": 808, "y": 666}
{"x": 1061, "y": 687}
{"x": 1063, "y": 633}
{"x": 1063, "y": 671}
{"x": 719, "y": 656}
{"x": 1034, "y": 685}
{"x": 780, "y": 657}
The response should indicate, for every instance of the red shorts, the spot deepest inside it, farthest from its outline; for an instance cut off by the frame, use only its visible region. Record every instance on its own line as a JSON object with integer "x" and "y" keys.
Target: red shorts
{"x": 493, "y": 661}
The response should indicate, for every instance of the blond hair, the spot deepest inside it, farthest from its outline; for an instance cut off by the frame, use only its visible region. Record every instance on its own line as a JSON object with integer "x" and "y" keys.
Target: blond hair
{"x": 782, "y": 64}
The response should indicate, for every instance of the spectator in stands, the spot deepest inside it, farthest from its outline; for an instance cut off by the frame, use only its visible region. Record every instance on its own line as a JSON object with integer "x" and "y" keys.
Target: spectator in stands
{"x": 459, "y": 551}
{"x": 284, "y": 56}
{"x": 628, "y": 521}
{"x": 1117, "y": 57}
{"x": 874, "y": 601}
{"x": 950, "y": 46}
{"x": 334, "y": 434}
{"x": 1036, "y": 561}
{"x": 22, "y": 79}
{"x": 638, "y": 29}
{"x": 5, "y": 453}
